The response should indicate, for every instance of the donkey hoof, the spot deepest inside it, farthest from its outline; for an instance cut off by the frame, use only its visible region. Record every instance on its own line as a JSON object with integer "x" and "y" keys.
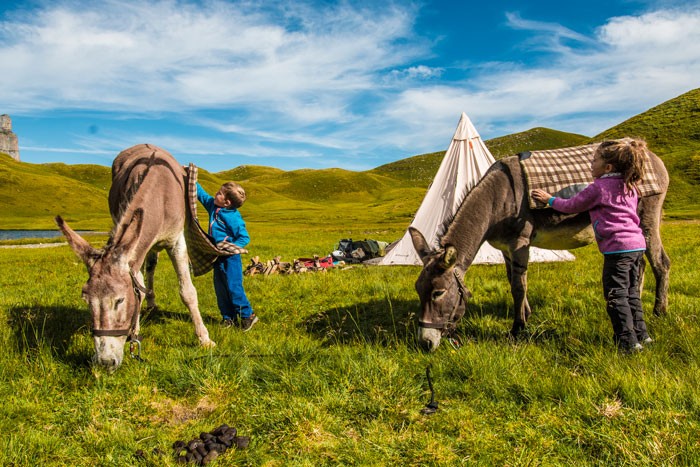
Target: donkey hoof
{"x": 208, "y": 344}
{"x": 516, "y": 330}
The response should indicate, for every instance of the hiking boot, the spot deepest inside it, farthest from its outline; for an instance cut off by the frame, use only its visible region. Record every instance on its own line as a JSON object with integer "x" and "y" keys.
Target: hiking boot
{"x": 247, "y": 323}
{"x": 228, "y": 323}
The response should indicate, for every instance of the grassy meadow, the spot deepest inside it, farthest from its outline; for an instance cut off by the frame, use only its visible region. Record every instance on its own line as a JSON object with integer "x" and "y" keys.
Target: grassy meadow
{"x": 331, "y": 375}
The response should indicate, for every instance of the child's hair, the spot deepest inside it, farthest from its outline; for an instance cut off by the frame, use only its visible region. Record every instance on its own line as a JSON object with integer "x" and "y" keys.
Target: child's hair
{"x": 234, "y": 193}
{"x": 626, "y": 156}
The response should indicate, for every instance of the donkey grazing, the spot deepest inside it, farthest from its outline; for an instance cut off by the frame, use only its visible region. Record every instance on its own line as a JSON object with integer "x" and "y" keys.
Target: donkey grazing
{"x": 147, "y": 204}
{"x": 497, "y": 210}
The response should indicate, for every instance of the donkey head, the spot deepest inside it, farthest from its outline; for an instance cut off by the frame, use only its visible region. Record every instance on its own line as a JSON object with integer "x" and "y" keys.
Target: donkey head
{"x": 111, "y": 290}
{"x": 442, "y": 294}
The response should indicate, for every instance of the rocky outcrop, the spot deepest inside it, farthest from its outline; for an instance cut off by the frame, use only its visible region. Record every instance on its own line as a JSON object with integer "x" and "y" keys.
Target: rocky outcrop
{"x": 8, "y": 140}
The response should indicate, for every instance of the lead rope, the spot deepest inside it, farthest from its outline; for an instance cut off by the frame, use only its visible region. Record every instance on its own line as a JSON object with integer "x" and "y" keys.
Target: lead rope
{"x": 432, "y": 406}
{"x": 451, "y": 331}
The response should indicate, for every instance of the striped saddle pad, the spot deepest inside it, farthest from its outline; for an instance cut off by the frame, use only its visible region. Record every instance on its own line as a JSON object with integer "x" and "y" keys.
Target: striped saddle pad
{"x": 564, "y": 172}
{"x": 200, "y": 247}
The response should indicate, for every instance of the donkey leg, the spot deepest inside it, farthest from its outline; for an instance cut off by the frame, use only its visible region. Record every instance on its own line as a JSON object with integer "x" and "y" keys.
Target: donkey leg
{"x": 150, "y": 268}
{"x": 518, "y": 287}
{"x": 649, "y": 220}
{"x": 188, "y": 293}
{"x": 660, "y": 265}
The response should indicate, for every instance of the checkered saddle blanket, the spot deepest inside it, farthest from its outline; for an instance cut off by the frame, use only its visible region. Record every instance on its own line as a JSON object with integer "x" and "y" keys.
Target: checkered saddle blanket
{"x": 200, "y": 247}
{"x": 564, "y": 172}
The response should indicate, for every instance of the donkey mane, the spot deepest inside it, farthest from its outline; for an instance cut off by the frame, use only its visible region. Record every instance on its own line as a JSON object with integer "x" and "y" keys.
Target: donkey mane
{"x": 146, "y": 164}
{"x": 442, "y": 229}
{"x": 462, "y": 199}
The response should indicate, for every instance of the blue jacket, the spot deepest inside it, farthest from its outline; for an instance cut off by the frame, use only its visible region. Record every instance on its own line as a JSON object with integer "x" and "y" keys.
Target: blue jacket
{"x": 613, "y": 211}
{"x": 224, "y": 224}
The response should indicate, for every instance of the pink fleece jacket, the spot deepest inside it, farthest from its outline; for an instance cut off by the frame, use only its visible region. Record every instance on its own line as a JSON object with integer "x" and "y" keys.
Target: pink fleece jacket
{"x": 613, "y": 211}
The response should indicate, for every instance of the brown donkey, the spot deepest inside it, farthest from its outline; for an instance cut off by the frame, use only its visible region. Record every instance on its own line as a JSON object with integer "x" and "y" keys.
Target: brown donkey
{"x": 147, "y": 204}
{"x": 497, "y": 210}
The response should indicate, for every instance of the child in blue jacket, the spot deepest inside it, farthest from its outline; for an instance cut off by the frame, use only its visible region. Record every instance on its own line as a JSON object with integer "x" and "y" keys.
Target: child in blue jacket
{"x": 226, "y": 224}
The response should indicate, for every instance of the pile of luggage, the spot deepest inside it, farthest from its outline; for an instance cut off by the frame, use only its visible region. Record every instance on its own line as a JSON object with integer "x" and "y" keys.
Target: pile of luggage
{"x": 277, "y": 266}
{"x": 347, "y": 252}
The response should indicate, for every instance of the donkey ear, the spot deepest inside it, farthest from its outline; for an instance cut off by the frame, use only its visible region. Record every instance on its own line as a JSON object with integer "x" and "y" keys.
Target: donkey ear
{"x": 128, "y": 234}
{"x": 449, "y": 257}
{"x": 78, "y": 244}
{"x": 419, "y": 243}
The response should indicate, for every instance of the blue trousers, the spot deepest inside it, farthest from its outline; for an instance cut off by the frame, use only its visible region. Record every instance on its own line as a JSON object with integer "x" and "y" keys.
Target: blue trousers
{"x": 228, "y": 285}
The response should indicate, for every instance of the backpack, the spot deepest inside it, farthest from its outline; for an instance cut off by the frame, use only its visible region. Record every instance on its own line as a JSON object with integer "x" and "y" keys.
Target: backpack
{"x": 359, "y": 251}
{"x": 370, "y": 247}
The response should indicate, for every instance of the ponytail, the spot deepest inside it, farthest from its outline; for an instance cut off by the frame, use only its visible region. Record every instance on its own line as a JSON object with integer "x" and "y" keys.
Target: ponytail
{"x": 627, "y": 157}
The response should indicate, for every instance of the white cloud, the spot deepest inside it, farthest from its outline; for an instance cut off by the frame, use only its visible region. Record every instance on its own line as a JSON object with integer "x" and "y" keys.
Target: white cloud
{"x": 550, "y": 35}
{"x": 419, "y": 72}
{"x": 330, "y": 78}
{"x": 631, "y": 64}
{"x": 166, "y": 55}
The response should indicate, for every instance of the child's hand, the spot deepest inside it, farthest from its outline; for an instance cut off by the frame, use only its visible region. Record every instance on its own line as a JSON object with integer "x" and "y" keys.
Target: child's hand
{"x": 541, "y": 195}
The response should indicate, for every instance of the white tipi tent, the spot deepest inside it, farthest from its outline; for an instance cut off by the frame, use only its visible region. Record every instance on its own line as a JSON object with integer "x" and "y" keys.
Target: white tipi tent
{"x": 466, "y": 160}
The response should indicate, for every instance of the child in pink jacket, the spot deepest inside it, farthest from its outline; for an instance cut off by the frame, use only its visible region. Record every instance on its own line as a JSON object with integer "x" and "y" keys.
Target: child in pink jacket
{"x": 611, "y": 201}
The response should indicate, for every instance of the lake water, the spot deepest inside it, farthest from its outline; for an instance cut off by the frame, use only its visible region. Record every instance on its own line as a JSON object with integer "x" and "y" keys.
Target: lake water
{"x": 17, "y": 234}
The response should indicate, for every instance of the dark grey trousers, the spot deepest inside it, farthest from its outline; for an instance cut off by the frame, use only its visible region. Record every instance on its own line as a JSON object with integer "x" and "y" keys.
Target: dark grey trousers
{"x": 624, "y": 304}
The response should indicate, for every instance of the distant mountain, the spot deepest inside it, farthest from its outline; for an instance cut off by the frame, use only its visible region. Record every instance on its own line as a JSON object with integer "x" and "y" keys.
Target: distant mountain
{"x": 31, "y": 194}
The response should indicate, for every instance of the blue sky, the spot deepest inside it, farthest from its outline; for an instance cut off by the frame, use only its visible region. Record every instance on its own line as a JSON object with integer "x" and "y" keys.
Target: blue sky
{"x": 317, "y": 84}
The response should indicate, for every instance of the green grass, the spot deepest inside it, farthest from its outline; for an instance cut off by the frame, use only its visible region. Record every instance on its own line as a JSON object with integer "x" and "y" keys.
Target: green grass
{"x": 332, "y": 376}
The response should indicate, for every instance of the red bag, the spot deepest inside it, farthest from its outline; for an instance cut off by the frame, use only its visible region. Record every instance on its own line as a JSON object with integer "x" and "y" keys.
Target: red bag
{"x": 325, "y": 263}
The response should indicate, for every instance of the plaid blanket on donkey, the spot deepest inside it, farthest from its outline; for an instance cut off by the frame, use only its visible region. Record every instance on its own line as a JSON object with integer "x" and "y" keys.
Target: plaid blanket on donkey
{"x": 564, "y": 172}
{"x": 202, "y": 251}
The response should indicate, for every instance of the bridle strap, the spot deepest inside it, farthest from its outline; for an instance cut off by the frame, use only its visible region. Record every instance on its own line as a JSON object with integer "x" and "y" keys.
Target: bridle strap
{"x": 450, "y": 324}
{"x": 110, "y": 332}
{"x": 423, "y": 324}
{"x": 138, "y": 290}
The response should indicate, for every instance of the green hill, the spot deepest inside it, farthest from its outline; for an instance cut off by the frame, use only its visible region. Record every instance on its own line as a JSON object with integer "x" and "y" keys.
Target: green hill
{"x": 31, "y": 194}
{"x": 417, "y": 170}
{"x": 420, "y": 170}
{"x": 244, "y": 173}
{"x": 672, "y": 131}
{"x": 535, "y": 139}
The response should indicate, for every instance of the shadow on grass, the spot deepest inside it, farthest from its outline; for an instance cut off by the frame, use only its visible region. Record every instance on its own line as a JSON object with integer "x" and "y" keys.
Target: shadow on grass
{"x": 377, "y": 324}
{"x": 159, "y": 315}
{"x": 52, "y": 327}
{"x": 370, "y": 322}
